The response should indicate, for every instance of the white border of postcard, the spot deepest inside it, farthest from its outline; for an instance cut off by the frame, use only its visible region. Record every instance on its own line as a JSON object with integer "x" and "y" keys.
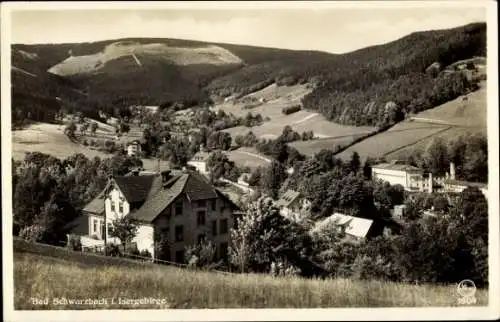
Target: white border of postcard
{"x": 465, "y": 313}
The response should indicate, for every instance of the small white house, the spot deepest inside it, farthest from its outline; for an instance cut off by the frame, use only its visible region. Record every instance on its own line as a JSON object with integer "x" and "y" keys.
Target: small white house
{"x": 134, "y": 148}
{"x": 199, "y": 161}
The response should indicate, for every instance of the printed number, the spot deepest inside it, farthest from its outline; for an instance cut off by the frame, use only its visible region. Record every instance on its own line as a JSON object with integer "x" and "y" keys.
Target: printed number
{"x": 467, "y": 300}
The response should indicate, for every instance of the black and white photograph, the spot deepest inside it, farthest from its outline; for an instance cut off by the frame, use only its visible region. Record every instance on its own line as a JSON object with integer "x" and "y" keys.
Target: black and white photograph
{"x": 193, "y": 160}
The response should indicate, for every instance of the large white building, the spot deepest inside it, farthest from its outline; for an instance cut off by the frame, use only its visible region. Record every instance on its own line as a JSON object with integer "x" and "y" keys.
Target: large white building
{"x": 410, "y": 177}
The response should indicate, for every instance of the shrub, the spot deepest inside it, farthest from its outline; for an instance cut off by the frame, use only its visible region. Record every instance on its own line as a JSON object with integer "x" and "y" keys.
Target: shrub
{"x": 33, "y": 233}
{"x": 291, "y": 109}
{"x": 74, "y": 243}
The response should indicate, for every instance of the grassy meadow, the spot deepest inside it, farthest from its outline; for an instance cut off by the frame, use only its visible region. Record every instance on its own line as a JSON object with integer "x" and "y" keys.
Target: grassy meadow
{"x": 50, "y": 139}
{"x": 61, "y": 275}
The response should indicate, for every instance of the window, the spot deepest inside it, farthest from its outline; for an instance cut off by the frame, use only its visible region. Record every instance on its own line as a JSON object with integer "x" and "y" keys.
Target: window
{"x": 179, "y": 256}
{"x": 179, "y": 233}
{"x": 214, "y": 227}
{"x": 223, "y": 226}
{"x": 110, "y": 228}
{"x": 120, "y": 207}
{"x": 201, "y": 238}
{"x": 112, "y": 205}
{"x": 214, "y": 204}
{"x": 178, "y": 207}
{"x": 223, "y": 251}
{"x": 94, "y": 226}
{"x": 201, "y": 203}
{"x": 201, "y": 218}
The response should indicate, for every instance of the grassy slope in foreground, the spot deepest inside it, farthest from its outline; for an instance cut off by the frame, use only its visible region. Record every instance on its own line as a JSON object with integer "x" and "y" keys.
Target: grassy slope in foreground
{"x": 42, "y": 276}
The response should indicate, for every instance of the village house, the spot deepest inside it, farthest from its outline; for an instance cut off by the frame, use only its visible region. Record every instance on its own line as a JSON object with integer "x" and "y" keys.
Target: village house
{"x": 181, "y": 207}
{"x": 133, "y": 148}
{"x": 354, "y": 228}
{"x": 292, "y": 205}
{"x": 199, "y": 162}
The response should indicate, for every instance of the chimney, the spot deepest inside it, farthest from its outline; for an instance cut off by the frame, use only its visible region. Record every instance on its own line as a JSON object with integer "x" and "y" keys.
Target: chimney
{"x": 165, "y": 175}
{"x": 430, "y": 183}
{"x": 452, "y": 171}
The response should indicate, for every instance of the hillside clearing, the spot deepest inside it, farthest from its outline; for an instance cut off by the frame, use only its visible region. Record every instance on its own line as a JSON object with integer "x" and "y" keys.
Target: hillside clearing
{"x": 448, "y": 120}
{"x": 182, "y": 288}
{"x": 50, "y": 139}
{"x": 74, "y": 65}
{"x": 274, "y": 99}
{"x": 248, "y": 157}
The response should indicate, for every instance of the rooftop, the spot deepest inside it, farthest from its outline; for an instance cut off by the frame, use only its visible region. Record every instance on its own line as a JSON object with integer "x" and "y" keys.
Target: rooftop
{"x": 200, "y": 156}
{"x": 354, "y": 226}
{"x": 397, "y": 167}
{"x": 288, "y": 197}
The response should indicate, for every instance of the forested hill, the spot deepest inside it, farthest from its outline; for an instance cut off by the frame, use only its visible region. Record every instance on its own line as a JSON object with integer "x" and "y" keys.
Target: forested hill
{"x": 352, "y": 88}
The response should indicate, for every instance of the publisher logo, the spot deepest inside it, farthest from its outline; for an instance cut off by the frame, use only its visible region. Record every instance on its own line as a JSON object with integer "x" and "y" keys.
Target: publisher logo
{"x": 466, "y": 289}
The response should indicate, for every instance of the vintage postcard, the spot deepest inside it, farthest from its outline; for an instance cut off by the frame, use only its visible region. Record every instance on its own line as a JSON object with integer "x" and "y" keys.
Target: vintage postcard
{"x": 221, "y": 161}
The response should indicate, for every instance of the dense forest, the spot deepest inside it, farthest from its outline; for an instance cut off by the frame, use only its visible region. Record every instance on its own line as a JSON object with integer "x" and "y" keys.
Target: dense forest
{"x": 353, "y": 88}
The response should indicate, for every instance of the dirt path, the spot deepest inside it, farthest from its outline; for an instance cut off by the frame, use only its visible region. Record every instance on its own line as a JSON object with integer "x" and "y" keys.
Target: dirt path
{"x": 305, "y": 119}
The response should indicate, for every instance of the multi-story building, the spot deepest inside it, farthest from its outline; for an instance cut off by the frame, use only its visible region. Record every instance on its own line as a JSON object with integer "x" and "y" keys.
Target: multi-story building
{"x": 410, "y": 177}
{"x": 180, "y": 208}
{"x": 199, "y": 161}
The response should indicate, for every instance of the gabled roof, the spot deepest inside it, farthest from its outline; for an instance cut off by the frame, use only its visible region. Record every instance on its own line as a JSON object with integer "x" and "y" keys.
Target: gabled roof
{"x": 287, "y": 198}
{"x": 354, "y": 226}
{"x": 396, "y": 167}
{"x": 136, "y": 188}
{"x": 200, "y": 156}
{"x": 96, "y": 206}
{"x": 198, "y": 188}
{"x": 190, "y": 184}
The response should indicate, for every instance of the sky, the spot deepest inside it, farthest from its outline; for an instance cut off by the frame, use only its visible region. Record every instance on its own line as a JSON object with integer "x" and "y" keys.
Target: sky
{"x": 335, "y": 30}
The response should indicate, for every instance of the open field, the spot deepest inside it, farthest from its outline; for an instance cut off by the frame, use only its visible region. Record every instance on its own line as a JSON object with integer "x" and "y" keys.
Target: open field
{"x": 60, "y": 276}
{"x": 448, "y": 120}
{"x": 277, "y": 97}
{"x": 312, "y": 147}
{"x": 248, "y": 157}
{"x": 50, "y": 139}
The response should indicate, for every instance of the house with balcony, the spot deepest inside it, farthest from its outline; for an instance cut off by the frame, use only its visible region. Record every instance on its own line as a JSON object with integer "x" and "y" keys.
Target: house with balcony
{"x": 181, "y": 208}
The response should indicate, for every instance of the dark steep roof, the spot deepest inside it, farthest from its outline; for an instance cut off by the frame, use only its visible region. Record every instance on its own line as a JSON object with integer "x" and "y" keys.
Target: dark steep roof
{"x": 157, "y": 203}
{"x": 198, "y": 188}
{"x": 96, "y": 206}
{"x": 191, "y": 184}
{"x": 136, "y": 188}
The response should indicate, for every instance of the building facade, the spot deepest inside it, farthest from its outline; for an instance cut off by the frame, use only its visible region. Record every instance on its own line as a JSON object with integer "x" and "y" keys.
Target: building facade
{"x": 199, "y": 161}
{"x": 177, "y": 210}
{"x": 410, "y": 177}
